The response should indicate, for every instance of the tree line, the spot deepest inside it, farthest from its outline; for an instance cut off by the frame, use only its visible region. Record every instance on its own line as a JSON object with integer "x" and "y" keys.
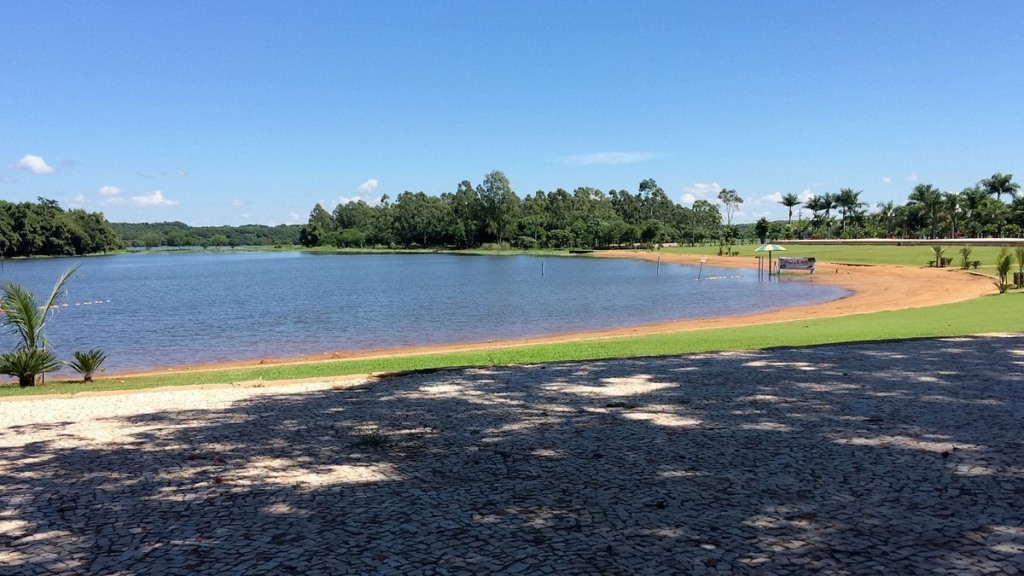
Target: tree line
{"x": 180, "y": 235}
{"x": 492, "y": 213}
{"x": 43, "y": 228}
{"x": 977, "y": 211}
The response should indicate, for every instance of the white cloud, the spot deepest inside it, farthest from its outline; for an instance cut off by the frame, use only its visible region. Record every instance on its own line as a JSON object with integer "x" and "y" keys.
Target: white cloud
{"x": 365, "y": 192}
{"x": 607, "y": 158}
{"x": 912, "y": 177}
{"x": 688, "y": 199}
{"x": 110, "y": 191}
{"x": 772, "y": 198}
{"x": 886, "y": 180}
{"x": 367, "y": 188}
{"x": 805, "y": 195}
{"x": 237, "y": 203}
{"x": 78, "y": 201}
{"x": 35, "y": 164}
{"x": 293, "y": 218}
{"x": 700, "y": 191}
{"x": 154, "y": 198}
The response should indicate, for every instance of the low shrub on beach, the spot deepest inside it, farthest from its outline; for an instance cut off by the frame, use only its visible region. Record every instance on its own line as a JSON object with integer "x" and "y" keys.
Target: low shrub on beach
{"x": 87, "y": 363}
{"x": 27, "y": 363}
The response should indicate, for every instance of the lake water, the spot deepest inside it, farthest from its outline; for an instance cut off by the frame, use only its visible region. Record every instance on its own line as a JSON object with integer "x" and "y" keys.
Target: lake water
{"x": 157, "y": 310}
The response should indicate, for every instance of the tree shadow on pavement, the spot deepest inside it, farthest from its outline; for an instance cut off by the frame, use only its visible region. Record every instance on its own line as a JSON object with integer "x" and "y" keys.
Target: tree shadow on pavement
{"x": 900, "y": 457}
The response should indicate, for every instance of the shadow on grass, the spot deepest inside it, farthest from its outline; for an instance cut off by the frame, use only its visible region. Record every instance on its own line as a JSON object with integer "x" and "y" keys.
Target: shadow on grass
{"x": 897, "y": 457}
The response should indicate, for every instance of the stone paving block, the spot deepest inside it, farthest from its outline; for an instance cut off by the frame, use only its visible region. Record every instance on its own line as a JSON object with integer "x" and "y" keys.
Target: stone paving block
{"x": 870, "y": 458}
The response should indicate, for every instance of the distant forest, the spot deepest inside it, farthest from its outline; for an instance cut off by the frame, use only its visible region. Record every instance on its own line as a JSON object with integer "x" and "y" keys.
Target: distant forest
{"x": 178, "y": 234}
{"x": 43, "y": 228}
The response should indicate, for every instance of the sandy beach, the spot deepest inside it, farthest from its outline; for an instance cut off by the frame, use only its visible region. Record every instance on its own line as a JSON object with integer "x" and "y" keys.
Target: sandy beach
{"x": 874, "y": 288}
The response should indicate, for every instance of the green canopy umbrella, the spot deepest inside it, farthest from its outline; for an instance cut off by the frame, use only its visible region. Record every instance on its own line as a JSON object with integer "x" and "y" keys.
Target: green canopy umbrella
{"x": 769, "y": 248}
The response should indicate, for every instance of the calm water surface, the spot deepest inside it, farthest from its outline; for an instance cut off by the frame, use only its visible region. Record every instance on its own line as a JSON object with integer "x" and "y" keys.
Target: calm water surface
{"x": 155, "y": 310}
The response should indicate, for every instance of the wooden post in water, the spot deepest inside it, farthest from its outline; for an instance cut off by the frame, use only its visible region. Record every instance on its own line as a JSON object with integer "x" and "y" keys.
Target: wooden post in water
{"x": 659, "y": 264}
{"x": 703, "y": 259}
{"x": 541, "y": 267}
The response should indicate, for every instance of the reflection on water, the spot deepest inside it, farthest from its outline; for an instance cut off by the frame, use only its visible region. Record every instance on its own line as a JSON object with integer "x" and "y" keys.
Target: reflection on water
{"x": 154, "y": 310}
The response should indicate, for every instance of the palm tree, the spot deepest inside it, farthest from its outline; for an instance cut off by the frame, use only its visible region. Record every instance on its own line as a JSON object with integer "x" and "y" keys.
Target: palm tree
{"x": 951, "y": 200}
{"x": 27, "y": 319}
{"x": 815, "y": 205}
{"x": 929, "y": 198}
{"x": 1000, "y": 183}
{"x": 828, "y": 202}
{"x": 886, "y": 216}
{"x": 849, "y": 202}
{"x": 789, "y": 201}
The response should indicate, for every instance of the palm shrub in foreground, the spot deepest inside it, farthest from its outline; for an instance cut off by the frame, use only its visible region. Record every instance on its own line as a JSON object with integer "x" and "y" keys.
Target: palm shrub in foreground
{"x": 1003, "y": 263}
{"x": 27, "y": 363}
{"x": 27, "y": 319}
{"x": 87, "y": 363}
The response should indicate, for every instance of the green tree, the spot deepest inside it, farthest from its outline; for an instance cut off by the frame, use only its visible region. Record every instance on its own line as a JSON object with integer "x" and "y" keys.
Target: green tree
{"x": 356, "y": 214}
{"x": 706, "y": 223}
{"x": 849, "y": 204}
{"x": 789, "y": 201}
{"x": 820, "y": 206}
{"x": 500, "y": 205}
{"x": 320, "y": 228}
{"x": 731, "y": 201}
{"x": 928, "y": 199}
{"x": 1000, "y": 184}
{"x": 886, "y": 217}
{"x": 761, "y": 229}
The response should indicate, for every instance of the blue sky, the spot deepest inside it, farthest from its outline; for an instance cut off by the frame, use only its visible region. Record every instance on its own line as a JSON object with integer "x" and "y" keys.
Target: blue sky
{"x": 251, "y": 112}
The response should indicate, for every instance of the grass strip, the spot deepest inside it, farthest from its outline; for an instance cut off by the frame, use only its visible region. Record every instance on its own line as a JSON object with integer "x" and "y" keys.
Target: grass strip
{"x": 995, "y": 313}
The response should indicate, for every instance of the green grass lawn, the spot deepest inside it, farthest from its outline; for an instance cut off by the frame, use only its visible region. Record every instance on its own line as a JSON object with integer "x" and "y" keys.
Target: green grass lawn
{"x": 996, "y": 313}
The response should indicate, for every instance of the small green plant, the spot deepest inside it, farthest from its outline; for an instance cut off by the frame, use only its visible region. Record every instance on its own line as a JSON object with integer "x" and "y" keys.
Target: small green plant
{"x": 27, "y": 363}
{"x": 1003, "y": 264}
{"x": 87, "y": 363}
{"x": 965, "y": 257}
{"x": 373, "y": 438}
{"x": 1018, "y": 254}
{"x": 938, "y": 251}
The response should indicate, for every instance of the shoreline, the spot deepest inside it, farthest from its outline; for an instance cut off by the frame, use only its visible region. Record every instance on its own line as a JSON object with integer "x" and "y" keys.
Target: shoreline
{"x": 874, "y": 288}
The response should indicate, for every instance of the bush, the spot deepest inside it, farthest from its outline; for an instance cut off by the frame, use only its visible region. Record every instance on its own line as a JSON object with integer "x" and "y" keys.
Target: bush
{"x": 495, "y": 247}
{"x": 1003, "y": 264}
{"x": 87, "y": 363}
{"x": 965, "y": 257}
{"x": 26, "y": 363}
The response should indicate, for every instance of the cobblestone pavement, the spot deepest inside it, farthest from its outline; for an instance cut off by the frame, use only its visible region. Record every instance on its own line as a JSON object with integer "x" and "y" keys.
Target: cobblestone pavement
{"x": 893, "y": 458}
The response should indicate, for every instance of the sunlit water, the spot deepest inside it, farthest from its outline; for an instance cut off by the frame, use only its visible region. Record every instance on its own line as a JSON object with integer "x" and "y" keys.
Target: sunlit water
{"x": 156, "y": 310}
